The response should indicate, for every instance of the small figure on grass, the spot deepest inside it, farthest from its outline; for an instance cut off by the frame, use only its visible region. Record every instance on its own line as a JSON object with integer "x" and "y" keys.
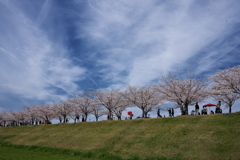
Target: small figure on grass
{"x": 196, "y": 108}
{"x": 169, "y": 112}
{"x": 204, "y": 110}
{"x": 192, "y": 112}
{"x": 158, "y": 113}
{"x": 172, "y": 110}
{"x": 218, "y": 107}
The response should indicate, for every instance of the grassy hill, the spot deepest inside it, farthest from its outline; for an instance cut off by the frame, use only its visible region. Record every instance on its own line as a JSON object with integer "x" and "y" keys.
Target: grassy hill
{"x": 185, "y": 137}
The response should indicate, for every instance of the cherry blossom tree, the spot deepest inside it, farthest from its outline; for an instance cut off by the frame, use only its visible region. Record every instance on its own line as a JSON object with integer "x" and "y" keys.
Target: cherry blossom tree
{"x": 22, "y": 117}
{"x": 76, "y": 113}
{"x": 226, "y": 86}
{"x": 1, "y": 119}
{"x": 228, "y": 79}
{"x": 121, "y": 106}
{"x": 84, "y": 102}
{"x": 13, "y": 118}
{"x": 45, "y": 112}
{"x": 31, "y": 114}
{"x": 184, "y": 91}
{"x": 109, "y": 99}
{"x": 63, "y": 109}
{"x": 145, "y": 98}
{"x": 7, "y": 118}
{"x": 98, "y": 111}
{"x": 118, "y": 109}
{"x": 227, "y": 99}
{"x": 57, "y": 113}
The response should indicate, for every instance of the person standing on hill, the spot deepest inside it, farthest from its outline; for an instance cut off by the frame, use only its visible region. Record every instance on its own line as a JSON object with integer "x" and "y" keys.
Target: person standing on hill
{"x": 158, "y": 113}
{"x": 204, "y": 110}
{"x": 172, "y": 112}
{"x": 169, "y": 111}
{"x": 218, "y": 107}
{"x": 219, "y": 104}
{"x": 131, "y": 116}
{"x": 196, "y": 108}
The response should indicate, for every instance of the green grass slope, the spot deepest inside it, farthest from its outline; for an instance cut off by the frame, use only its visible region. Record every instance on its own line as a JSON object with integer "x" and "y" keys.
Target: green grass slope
{"x": 185, "y": 137}
{"x": 24, "y": 153}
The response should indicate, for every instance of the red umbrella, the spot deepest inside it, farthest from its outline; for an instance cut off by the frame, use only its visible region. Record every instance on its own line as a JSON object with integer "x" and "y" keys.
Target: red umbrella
{"x": 129, "y": 113}
{"x": 209, "y": 105}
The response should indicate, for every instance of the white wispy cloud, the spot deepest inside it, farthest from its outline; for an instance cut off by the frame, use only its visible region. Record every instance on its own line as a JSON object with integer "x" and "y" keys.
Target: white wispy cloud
{"x": 146, "y": 38}
{"x": 32, "y": 65}
{"x": 44, "y": 12}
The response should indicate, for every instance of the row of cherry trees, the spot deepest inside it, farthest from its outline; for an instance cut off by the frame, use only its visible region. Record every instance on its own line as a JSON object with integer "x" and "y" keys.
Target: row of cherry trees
{"x": 184, "y": 90}
{"x": 98, "y": 103}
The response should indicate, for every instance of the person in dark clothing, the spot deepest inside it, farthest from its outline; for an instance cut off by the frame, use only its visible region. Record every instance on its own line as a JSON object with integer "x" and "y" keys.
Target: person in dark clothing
{"x": 77, "y": 118}
{"x": 158, "y": 113}
{"x": 60, "y": 119}
{"x": 204, "y": 110}
{"x": 218, "y": 107}
{"x": 172, "y": 112}
{"x": 196, "y": 108}
{"x": 131, "y": 116}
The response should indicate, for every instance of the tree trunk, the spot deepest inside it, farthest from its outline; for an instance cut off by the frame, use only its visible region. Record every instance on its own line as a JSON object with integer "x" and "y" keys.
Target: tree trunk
{"x": 143, "y": 114}
{"x": 110, "y": 115}
{"x": 186, "y": 109}
{"x": 146, "y": 114}
{"x": 181, "y": 111}
{"x": 64, "y": 119}
{"x": 230, "y": 109}
{"x": 60, "y": 119}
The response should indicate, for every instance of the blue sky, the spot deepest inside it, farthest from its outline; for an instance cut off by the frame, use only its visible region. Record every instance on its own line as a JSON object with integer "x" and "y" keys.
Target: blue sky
{"x": 52, "y": 49}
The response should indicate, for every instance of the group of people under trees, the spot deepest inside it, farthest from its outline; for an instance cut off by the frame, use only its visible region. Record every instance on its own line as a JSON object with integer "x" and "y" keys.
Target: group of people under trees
{"x": 171, "y": 112}
{"x": 204, "y": 109}
{"x": 193, "y": 112}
